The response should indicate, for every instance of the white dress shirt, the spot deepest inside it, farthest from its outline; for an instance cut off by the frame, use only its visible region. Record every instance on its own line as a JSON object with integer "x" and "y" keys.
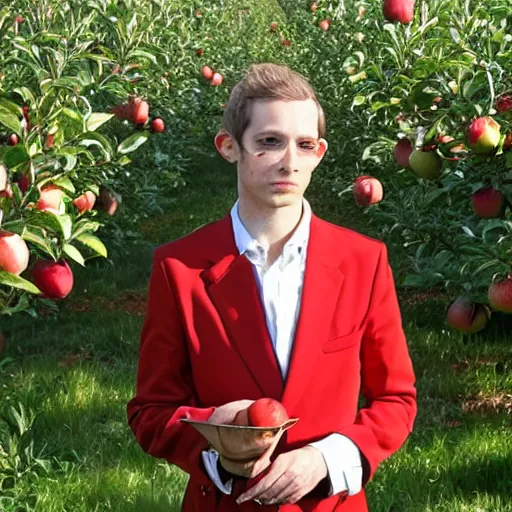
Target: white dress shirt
{"x": 280, "y": 287}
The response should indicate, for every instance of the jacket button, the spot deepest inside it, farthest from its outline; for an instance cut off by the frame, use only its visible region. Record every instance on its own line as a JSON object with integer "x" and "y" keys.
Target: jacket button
{"x": 206, "y": 489}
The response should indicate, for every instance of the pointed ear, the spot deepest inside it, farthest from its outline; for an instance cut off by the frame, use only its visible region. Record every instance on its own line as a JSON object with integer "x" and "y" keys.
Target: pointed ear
{"x": 322, "y": 148}
{"x": 226, "y": 146}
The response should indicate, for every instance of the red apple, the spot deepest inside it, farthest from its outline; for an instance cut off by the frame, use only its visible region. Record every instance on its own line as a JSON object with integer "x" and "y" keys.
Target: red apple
{"x": 207, "y": 72}
{"x": 49, "y": 140}
{"x": 13, "y": 139}
{"x": 314, "y": 7}
{"x": 266, "y": 412}
{"x": 507, "y": 143}
{"x": 466, "y": 316}
{"x": 53, "y": 278}
{"x": 286, "y": 42}
{"x": 217, "y": 79}
{"x": 14, "y": 253}
{"x": 324, "y": 25}
{"x": 85, "y": 202}
{"x": 484, "y": 135}
{"x": 50, "y": 198}
{"x": 401, "y": 11}
{"x": 273, "y": 26}
{"x": 425, "y": 164}
{"x": 367, "y": 190}
{"x": 139, "y": 110}
{"x": 504, "y": 103}
{"x": 107, "y": 201}
{"x": 157, "y": 125}
{"x": 199, "y": 52}
{"x": 499, "y": 295}
{"x": 402, "y": 152}
{"x": 22, "y": 182}
{"x": 488, "y": 203}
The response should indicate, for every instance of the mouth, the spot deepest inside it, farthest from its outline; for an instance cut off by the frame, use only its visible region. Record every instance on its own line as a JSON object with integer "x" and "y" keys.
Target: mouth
{"x": 284, "y": 184}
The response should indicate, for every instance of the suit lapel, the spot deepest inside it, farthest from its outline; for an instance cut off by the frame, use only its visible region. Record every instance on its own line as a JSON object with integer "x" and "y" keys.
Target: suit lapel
{"x": 322, "y": 286}
{"x": 231, "y": 286}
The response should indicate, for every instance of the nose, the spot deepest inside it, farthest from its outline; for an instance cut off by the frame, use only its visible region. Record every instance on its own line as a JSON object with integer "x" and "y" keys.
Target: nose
{"x": 290, "y": 159}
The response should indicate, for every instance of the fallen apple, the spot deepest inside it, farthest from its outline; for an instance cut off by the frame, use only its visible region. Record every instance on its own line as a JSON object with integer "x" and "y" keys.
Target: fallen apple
{"x": 488, "y": 203}
{"x": 14, "y": 253}
{"x": 425, "y": 164}
{"x": 499, "y": 295}
{"x": 217, "y": 79}
{"x": 484, "y": 135}
{"x": 324, "y": 25}
{"x": 207, "y": 72}
{"x": 53, "y": 278}
{"x": 273, "y": 26}
{"x": 367, "y": 190}
{"x": 401, "y": 11}
{"x": 266, "y": 412}
{"x": 402, "y": 152}
{"x": 466, "y": 316}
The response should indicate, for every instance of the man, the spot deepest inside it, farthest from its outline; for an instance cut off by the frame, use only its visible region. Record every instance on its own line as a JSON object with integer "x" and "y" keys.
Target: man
{"x": 272, "y": 301}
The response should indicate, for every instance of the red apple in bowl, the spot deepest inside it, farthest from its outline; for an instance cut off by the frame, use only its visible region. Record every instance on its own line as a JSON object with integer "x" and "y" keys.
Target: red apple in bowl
{"x": 266, "y": 412}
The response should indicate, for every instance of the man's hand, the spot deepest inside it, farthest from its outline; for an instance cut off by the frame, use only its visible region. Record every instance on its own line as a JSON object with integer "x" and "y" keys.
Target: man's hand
{"x": 291, "y": 476}
{"x": 225, "y": 414}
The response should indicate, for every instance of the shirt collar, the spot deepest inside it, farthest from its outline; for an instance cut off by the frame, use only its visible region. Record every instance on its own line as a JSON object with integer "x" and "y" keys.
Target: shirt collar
{"x": 245, "y": 241}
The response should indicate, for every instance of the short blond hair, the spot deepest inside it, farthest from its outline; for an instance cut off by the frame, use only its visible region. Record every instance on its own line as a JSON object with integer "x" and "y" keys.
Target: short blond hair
{"x": 266, "y": 81}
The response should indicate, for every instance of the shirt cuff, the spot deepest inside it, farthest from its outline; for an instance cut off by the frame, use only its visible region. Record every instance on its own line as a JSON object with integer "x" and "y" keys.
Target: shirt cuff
{"x": 210, "y": 458}
{"x": 343, "y": 461}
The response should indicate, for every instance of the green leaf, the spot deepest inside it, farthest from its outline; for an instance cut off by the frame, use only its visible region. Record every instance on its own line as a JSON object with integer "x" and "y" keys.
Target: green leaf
{"x": 59, "y": 224}
{"x": 93, "y": 243}
{"x": 132, "y": 142}
{"x": 74, "y": 254}
{"x": 18, "y": 282}
{"x": 10, "y": 120}
{"x": 83, "y": 226}
{"x": 96, "y": 119}
{"x": 36, "y": 236}
{"x": 142, "y": 53}
{"x": 26, "y": 94}
{"x": 65, "y": 183}
{"x": 15, "y": 155}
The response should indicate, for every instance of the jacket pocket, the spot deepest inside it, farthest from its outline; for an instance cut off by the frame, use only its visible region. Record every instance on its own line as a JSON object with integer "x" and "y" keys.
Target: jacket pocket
{"x": 342, "y": 342}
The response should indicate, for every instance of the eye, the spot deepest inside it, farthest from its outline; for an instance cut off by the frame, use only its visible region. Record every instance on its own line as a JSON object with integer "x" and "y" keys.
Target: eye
{"x": 308, "y": 146}
{"x": 268, "y": 141}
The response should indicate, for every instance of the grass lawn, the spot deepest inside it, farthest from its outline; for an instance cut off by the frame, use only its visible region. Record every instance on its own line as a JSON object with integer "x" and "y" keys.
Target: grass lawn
{"x": 71, "y": 448}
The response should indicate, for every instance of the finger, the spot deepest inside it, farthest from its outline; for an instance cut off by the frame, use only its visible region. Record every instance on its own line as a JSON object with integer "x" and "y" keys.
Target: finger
{"x": 280, "y": 485}
{"x": 265, "y": 483}
{"x": 283, "y": 494}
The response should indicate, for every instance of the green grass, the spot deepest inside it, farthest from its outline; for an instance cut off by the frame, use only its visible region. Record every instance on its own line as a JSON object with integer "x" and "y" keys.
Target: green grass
{"x": 76, "y": 372}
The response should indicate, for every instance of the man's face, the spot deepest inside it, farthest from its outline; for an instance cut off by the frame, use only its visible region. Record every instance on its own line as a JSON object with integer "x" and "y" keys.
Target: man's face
{"x": 280, "y": 145}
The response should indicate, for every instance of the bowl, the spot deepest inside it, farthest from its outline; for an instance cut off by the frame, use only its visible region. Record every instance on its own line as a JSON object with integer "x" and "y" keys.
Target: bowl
{"x": 239, "y": 443}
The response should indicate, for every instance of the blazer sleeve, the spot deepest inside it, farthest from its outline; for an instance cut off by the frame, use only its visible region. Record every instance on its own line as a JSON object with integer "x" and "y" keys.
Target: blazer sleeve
{"x": 387, "y": 377}
{"x": 165, "y": 390}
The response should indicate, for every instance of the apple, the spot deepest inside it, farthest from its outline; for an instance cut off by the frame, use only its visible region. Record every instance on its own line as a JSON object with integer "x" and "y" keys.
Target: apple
{"x": 499, "y": 295}
{"x": 314, "y": 7}
{"x": 139, "y": 110}
{"x": 157, "y": 125}
{"x": 484, "y": 135}
{"x": 207, "y": 72}
{"x": 367, "y": 190}
{"x": 3, "y": 177}
{"x": 466, "y": 316}
{"x": 402, "y": 152}
{"x": 266, "y": 412}
{"x": 507, "y": 143}
{"x": 286, "y": 42}
{"x": 85, "y": 202}
{"x": 401, "y": 11}
{"x": 13, "y": 139}
{"x": 49, "y": 140}
{"x": 199, "y": 52}
{"x": 50, "y": 198}
{"x": 6, "y": 192}
{"x": 241, "y": 418}
{"x": 273, "y": 26}
{"x": 26, "y": 117}
{"x": 107, "y": 201}
{"x": 504, "y": 103}
{"x": 14, "y": 253}
{"x": 324, "y": 25}
{"x": 22, "y": 182}
{"x": 53, "y": 278}
{"x": 488, "y": 203}
{"x": 217, "y": 79}
{"x": 425, "y": 164}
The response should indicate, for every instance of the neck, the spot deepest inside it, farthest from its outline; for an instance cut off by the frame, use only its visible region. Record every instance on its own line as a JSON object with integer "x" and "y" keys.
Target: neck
{"x": 271, "y": 227}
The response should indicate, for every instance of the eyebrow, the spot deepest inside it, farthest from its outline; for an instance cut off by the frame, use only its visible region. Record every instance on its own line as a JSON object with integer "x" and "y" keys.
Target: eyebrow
{"x": 277, "y": 132}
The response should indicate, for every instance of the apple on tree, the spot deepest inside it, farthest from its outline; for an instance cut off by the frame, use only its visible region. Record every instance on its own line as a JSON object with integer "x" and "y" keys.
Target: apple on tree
{"x": 367, "y": 190}
{"x": 484, "y": 135}
{"x": 466, "y": 316}
{"x": 401, "y": 11}
{"x": 402, "y": 152}
{"x": 50, "y": 198}
{"x": 85, "y": 202}
{"x": 426, "y": 164}
{"x": 53, "y": 278}
{"x": 499, "y": 295}
{"x": 488, "y": 203}
{"x": 14, "y": 253}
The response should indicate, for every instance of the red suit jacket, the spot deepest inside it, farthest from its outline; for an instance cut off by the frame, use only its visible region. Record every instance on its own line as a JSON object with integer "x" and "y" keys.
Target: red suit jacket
{"x": 204, "y": 343}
